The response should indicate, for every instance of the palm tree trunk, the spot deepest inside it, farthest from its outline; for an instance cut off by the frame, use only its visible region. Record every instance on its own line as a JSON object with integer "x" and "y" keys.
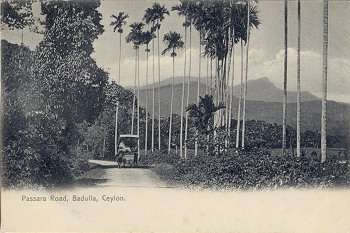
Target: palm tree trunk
{"x": 227, "y": 94}
{"x": 103, "y": 147}
{"x": 217, "y": 92}
{"x": 159, "y": 135}
{"x": 324, "y": 83}
{"x": 298, "y": 83}
{"x": 198, "y": 85}
{"x": 188, "y": 91}
{"x": 171, "y": 105}
{"x": 211, "y": 77}
{"x": 183, "y": 98}
{"x": 138, "y": 103}
{"x": 116, "y": 130}
{"x": 146, "y": 130}
{"x": 216, "y": 82}
{"x": 20, "y": 57}
{"x": 284, "y": 123}
{"x": 221, "y": 90}
{"x": 219, "y": 81}
{"x": 231, "y": 96}
{"x": 207, "y": 93}
{"x": 22, "y": 37}
{"x": 246, "y": 76}
{"x": 217, "y": 100}
{"x": 153, "y": 94}
{"x": 120, "y": 55}
{"x": 207, "y": 78}
{"x": 134, "y": 98}
{"x": 240, "y": 99}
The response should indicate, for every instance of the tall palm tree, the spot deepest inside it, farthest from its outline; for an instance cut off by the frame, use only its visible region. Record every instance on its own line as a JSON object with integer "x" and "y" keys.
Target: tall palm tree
{"x": 149, "y": 19}
{"x": 118, "y": 23}
{"x": 246, "y": 74}
{"x": 240, "y": 99}
{"x": 231, "y": 95}
{"x": 155, "y": 15}
{"x": 173, "y": 41}
{"x": 242, "y": 32}
{"x": 284, "y": 120}
{"x": 183, "y": 94}
{"x": 190, "y": 10}
{"x": 234, "y": 20}
{"x": 324, "y": 83}
{"x": 198, "y": 85}
{"x": 298, "y": 83}
{"x": 135, "y": 36}
{"x": 195, "y": 9}
{"x": 146, "y": 38}
{"x": 182, "y": 11}
{"x": 188, "y": 87}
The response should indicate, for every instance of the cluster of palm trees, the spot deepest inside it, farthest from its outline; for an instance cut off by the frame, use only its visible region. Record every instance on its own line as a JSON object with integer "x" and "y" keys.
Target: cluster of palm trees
{"x": 138, "y": 36}
{"x": 220, "y": 25}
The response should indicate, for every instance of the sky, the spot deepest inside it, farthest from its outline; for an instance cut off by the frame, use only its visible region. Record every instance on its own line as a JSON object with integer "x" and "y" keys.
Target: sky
{"x": 266, "y": 52}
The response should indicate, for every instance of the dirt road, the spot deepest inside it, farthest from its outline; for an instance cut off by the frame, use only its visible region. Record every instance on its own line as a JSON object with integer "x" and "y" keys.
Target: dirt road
{"x": 132, "y": 177}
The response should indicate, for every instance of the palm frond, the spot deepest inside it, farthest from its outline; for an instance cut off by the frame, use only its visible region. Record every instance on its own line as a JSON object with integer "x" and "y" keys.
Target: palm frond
{"x": 173, "y": 40}
{"x": 119, "y": 21}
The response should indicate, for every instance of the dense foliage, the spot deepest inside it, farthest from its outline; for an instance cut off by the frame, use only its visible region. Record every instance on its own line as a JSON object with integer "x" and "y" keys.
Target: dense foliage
{"x": 17, "y": 14}
{"x": 159, "y": 157}
{"x": 256, "y": 170}
{"x": 48, "y": 93}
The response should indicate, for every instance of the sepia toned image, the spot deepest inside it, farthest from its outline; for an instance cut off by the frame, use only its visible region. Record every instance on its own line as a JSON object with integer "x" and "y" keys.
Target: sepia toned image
{"x": 175, "y": 116}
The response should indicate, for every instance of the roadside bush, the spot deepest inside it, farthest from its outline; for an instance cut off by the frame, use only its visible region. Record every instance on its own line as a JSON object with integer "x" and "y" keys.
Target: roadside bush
{"x": 78, "y": 161}
{"x": 158, "y": 157}
{"x": 258, "y": 170}
{"x": 31, "y": 168}
{"x": 37, "y": 157}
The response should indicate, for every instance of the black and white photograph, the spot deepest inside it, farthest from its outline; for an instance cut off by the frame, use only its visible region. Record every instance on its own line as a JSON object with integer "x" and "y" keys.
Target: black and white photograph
{"x": 175, "y": 116}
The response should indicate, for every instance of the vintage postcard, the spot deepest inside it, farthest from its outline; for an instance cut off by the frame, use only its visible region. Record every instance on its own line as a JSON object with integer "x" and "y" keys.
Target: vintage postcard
{"x": 175, "y": 116}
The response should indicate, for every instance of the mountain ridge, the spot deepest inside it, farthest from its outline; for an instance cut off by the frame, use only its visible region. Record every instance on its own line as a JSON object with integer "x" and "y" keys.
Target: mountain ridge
{"x": 261, "y": 89}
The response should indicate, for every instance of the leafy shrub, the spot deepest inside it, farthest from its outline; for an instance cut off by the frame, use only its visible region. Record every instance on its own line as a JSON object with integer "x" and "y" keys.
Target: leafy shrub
{"x": 244, "y": 170}
{"x": 78, "y": 161}
{"x": 159, "y": 157}
{"x": 36, "y": 157}
{"x": 28, "y": 167}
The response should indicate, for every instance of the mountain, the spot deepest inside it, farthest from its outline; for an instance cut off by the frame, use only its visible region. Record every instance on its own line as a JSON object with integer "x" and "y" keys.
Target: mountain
{"x": 338, "y": 113}
{"x": 264, "y": 90}
{"x": 258, "y": 89}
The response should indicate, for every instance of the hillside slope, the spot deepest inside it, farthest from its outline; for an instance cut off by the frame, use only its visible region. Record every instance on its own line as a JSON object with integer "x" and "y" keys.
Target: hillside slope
{"x": 338, "y": 113}
{"x": 261, "y": 89}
